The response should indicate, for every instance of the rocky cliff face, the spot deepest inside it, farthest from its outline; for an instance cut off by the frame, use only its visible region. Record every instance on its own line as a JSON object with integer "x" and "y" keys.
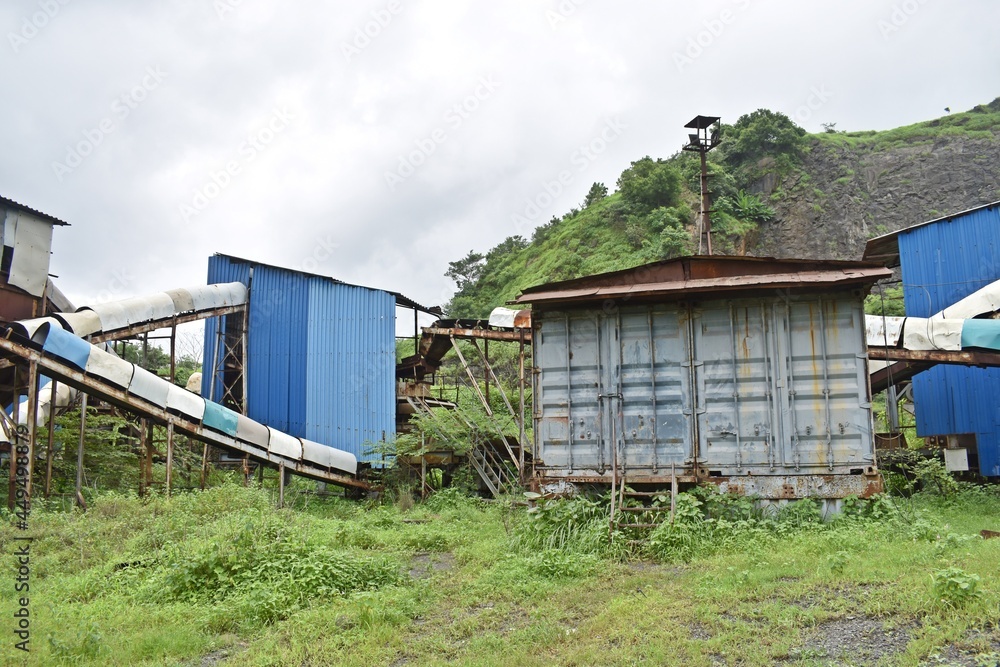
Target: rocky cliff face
{"x": 847, "y": 191}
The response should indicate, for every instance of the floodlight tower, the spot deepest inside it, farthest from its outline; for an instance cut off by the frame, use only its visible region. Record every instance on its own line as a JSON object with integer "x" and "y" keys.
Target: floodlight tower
{"x": 704, "y": 139}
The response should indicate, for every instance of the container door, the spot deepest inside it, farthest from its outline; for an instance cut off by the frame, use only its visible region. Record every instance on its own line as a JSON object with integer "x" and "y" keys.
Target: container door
{"x": 654, "y": 390}
{"x": 567, "y": 385}
{"x": 827, "y": 416}
{"x": 736, "y": 389}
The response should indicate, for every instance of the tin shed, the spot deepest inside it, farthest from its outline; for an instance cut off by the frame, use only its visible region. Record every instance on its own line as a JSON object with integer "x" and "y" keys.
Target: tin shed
{"x": 320, "y": 361}
{"x": 943, "y": 261}
{"x": 747, "y": 372}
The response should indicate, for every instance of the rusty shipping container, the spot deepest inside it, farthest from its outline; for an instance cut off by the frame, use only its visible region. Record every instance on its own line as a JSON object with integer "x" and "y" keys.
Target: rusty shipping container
{"x": 749, "y": 373}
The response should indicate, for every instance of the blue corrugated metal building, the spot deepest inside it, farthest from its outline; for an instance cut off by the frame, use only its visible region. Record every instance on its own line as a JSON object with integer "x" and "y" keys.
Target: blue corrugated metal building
{"x": 321, "y": 354}
{"x": 943, "y": 261}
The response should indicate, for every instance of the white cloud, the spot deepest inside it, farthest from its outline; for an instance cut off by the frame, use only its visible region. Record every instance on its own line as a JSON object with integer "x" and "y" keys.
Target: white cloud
{"x": 323, "y": 177}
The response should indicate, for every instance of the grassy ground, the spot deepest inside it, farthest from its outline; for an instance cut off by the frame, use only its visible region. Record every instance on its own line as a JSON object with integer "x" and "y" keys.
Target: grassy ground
{"x": 219, "y": 577}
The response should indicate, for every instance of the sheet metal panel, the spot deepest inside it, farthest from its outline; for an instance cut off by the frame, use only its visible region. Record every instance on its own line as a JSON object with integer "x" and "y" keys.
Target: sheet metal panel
{"x": 329, "y": 457}
{"x": 220, "y": 418}
{"x": 943, "y": 263}
{"x": 922, "y": 333}
{"x": 250, "y": 431}
{"x": 985, "y": 300}
{"x": 82, "y": 322}
{"x": 184, "y": 402}
{"x": 320, "y": 358}
{"x": 27, "y": 328}
{"x": 350, "y": 366}
{"x": 29, "y": 267}
{"x": 109, "y": 367}
{"x": 63, "y": 344}
{"x": 181, "y": 299}
{"x": 219, "y": 295}
{"x": 148, "y": 386}
{"x": 284, "y": 445}
{"x": 883, "y": 331}
{"x": 767, "y": 387}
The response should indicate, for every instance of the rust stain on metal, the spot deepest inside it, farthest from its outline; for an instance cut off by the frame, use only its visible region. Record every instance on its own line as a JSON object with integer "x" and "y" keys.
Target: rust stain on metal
{"x": 690, "y": 275}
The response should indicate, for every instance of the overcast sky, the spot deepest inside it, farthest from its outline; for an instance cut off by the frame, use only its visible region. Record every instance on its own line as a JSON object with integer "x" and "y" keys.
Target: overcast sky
{"x": 377, "y": 141}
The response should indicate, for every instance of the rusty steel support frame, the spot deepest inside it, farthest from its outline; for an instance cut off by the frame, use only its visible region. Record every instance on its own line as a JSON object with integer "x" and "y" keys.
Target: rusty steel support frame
{"x": 484, "y": 357}
{"x": 170, "y": 455}
{"x": 522, "y": 434}
{"x": 49, "y": 450}
{"x": 120, "y": 398}
{"x": 79, "y": 450}
{"x": 12, "y": 478}
{"x": 31, "y": 423}
{"x": 482, "y": 399}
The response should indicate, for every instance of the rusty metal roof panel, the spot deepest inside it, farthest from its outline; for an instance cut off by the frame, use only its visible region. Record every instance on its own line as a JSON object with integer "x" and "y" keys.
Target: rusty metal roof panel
{"x": 689, "y": 275}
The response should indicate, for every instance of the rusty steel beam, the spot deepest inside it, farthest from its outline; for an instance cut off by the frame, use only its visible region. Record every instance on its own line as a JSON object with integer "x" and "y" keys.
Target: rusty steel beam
{"x": 152, "y": 325}
{"x": 512, "y": 336}
{"x": 963, "y": 357}
{"x": 122, "y": 399}
{"x": 910, "y": 362}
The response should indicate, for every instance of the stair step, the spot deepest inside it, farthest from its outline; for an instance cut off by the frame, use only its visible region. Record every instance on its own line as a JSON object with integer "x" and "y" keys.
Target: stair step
{"x": 643, "y": 509}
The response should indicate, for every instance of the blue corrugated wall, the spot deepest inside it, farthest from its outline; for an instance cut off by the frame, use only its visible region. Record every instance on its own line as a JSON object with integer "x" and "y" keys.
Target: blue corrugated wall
{"x": 942, "y": 263}
{"x": 321, "y": 355}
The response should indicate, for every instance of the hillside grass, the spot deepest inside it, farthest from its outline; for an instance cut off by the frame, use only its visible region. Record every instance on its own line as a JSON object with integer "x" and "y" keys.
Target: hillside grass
{"x": 982, "y": 122}
{"x": 220, "y": 577}
{"x": 579, "y": 244}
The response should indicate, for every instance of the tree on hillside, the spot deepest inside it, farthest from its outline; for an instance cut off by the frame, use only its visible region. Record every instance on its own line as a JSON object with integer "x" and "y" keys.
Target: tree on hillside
{"x": 760, "y": 134}
{"x": 466, "y": 271}
{"x": 649, "y": 184}
{"x": 598, "y": 191}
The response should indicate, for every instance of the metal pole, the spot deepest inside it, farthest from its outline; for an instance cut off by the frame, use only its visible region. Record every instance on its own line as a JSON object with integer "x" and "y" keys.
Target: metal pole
{"x": 520, "y": 390}
{"x": 281, "y": 484}
{"x": 416, "y": 332}
{"x": 486, "y": 366}
{"x": 12, "y": 481}
{"x": 32, "y": 422}
{"x": 79, "y": 451}
{"x": 204, "y": 465}
{"x": 143, "y": 456}
{"x": 170, "y": 455}
{"x": 706, "y": 219}
{"x": 173, "y": 353}
{"x": 51, "y": 442}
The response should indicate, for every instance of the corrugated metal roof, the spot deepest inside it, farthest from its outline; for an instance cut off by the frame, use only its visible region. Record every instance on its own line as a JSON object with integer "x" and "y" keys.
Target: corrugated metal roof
{"x": 885, "y": 249}
{"x": 401, "y": 300}
{"x": 700, "y": 274}
{"x": 38, "y": 214}
{"x": 943, "y": 261}
{"x": 321, "y": 354}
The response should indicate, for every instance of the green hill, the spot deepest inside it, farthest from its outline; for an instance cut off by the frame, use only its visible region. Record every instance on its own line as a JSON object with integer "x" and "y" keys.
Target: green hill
{"x": 776, "y": 190}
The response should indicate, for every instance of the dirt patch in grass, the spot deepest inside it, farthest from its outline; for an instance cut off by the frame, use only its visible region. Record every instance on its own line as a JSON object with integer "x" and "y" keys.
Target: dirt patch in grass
{"x": 424, "y": 565}
{"x": 976, "y": 649}
{"x": 852, "y": 640}
{"x": 699, "y": 632}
